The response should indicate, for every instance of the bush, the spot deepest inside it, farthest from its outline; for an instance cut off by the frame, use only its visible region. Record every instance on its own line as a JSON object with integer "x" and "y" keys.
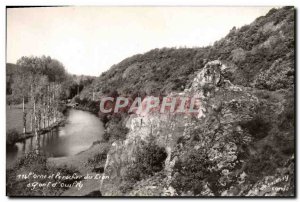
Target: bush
{"x": 131, "y": 176}
{"x": 115, "y": 128}
{"x": 97, "y": 159}
{"x": 258, "y": 127}
{"x": 90, "y": 105}
{"x": 12, "y": 136}
{"x": 149, "y": 160}
{"x": 106, "y": 136}
{"x": 263, "y": 164}
{"x": 191, "y": 173}
{"x": 287, "y": 117}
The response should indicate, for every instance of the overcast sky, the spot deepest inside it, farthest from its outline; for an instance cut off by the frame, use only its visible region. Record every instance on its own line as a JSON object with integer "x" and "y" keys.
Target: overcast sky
{"x": 89, "y": 40}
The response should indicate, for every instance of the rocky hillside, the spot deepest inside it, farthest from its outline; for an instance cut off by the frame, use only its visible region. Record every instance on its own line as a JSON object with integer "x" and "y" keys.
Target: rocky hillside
{"x": 242, "y": 141}
{"x": 262, "y": 53}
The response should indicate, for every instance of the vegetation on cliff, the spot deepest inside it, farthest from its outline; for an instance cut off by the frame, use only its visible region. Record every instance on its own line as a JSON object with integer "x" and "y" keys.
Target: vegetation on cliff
{"x": 242, "y": 145}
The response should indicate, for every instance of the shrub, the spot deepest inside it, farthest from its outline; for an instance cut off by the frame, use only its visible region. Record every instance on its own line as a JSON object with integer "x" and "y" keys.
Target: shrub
{"x": 97, "y": 159}
{"x": 130, "y": 177}
{"x": 115, "y": 129}
{"x": 149, "y": 160}
{"x": 262, "y": 164}
{"x": 287, "y": 117}
{"x": 119, "y": 132}
{"x": 12, "y": 136}
{"x": 258, "y": 127}
{"x": 191, "y": 172}
{"x": 106, "y": 136}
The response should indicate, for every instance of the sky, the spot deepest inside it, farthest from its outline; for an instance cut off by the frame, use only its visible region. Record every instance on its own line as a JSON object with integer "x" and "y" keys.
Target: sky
{"x": 89, "y": 40}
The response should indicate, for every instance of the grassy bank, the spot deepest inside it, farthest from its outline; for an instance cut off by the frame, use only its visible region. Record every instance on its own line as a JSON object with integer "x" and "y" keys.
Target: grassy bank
{"x": 87, "y": 163}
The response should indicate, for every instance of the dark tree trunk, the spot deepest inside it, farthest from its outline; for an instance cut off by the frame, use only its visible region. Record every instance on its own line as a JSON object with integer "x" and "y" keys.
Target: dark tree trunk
{"x": 24, "y": 117}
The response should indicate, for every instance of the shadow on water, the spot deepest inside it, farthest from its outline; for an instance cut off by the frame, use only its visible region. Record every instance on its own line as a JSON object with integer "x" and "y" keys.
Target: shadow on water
{"x": 80, "y": 131}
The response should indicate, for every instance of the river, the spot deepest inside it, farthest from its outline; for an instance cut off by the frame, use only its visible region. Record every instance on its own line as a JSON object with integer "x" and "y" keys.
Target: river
{"x": 80, "y": 131}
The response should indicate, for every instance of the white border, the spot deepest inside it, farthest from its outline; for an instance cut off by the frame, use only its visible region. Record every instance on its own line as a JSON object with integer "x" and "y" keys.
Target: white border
{"x": 112, "y": 3}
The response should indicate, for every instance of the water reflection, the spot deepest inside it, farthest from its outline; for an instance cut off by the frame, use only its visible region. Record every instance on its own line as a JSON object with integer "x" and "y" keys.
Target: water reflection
{"x": 81, "y": 130}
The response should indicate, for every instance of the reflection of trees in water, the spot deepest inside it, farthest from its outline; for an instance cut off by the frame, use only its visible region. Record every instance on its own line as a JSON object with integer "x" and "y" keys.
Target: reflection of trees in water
{"x": 12, "y": 149}
{"x": 43, "y": 140}
{"x": 49, "y": 143}
{"x": 63, "y": 141}
{"x": 24, "y": 146}
{"x": 31, "y": 144}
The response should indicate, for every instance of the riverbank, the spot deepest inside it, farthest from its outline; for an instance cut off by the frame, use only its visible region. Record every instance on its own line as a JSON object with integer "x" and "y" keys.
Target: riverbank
{"x": 81, "y": 140}
{"x": 87, "y": 162}
{"x": 22, "y": 137}
{"x": 14, "y": 124}
{"x": 81, "y": 162}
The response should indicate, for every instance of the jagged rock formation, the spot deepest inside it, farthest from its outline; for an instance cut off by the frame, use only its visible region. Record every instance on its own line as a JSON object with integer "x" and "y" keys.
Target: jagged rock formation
{"x": 219, "y": 129}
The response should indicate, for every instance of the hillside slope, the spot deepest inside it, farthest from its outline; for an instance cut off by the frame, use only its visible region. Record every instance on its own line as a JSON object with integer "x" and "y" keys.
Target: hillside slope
{"x": 262, "y": 53}
{"x": 242, "y": 142}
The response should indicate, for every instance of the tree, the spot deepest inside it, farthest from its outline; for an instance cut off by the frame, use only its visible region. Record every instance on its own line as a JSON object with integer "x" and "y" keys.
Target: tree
{"x": 20, "y": 89}
{"x": 44, "y": 78}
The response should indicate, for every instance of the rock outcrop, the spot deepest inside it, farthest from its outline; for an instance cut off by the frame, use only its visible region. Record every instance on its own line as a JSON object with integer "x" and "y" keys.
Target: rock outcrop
{"x": 225, "y": 107}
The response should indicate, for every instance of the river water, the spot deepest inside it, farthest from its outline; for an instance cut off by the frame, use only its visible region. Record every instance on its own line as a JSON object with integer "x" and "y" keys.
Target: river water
{"x": 80, "y": 131}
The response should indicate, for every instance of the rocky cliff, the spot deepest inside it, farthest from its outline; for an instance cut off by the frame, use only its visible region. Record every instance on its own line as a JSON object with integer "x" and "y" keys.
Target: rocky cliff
{"x": 241, "y": 143}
